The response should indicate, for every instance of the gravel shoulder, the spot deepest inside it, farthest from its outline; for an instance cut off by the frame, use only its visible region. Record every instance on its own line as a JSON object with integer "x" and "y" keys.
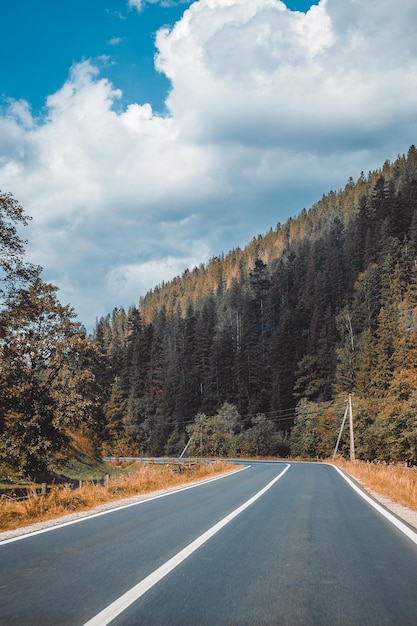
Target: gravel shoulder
{"x": 404, "y": 513}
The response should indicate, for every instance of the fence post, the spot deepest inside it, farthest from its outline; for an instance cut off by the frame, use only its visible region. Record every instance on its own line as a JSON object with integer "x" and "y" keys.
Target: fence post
{"x": 43, "y": 489}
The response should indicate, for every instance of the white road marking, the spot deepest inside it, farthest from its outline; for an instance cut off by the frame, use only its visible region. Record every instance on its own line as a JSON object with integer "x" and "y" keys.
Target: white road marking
{"x": 411, "y": 534}
{"x": 121, "y": 604}
{"x": 115, "y": 508}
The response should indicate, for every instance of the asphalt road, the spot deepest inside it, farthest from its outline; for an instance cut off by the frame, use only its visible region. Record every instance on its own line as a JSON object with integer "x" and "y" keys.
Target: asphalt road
{"x": 270, "y": 545}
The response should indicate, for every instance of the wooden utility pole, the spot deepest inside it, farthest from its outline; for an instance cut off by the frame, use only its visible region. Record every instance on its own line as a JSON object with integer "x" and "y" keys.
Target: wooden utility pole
{"x": 184, "y": 451}
{"x": 352, "y": 438}
{"x": 340, "y": 432}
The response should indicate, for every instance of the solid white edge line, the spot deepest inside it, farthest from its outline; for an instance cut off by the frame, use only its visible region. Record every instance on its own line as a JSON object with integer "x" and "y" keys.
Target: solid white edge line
{"x": 411, "y": 534}
{"x": 123, "y": 602}
{"x": 119, "y": 508}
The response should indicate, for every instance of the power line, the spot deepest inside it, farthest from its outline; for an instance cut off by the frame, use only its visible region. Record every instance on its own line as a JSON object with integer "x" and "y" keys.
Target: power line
{"x": 271, "y": 416}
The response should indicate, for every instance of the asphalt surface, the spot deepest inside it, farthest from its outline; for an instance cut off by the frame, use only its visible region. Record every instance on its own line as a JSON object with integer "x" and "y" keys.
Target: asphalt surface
{"x": 309, "y": 550}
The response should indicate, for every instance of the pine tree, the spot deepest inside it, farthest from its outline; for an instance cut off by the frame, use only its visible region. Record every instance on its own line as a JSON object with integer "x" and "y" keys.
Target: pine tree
{"x": 205, "y": 372}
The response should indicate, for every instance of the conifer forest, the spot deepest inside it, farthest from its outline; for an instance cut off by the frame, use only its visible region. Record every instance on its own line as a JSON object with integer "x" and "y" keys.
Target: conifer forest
{"x": 253, "y": 354}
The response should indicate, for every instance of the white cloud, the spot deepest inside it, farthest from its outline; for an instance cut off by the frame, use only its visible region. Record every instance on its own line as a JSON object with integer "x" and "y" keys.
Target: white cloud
{"x": 268, "y": 109}
{"x": 256, "y": 71}
{"x": 125, "y": 280}
{"x": 140, "y": 4}
{"x": 136, "y": 4}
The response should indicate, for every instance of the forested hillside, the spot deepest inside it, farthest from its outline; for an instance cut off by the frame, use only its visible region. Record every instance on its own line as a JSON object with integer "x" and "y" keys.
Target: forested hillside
{"x": 255, "y": 352}
{"x": 265, "y": 344}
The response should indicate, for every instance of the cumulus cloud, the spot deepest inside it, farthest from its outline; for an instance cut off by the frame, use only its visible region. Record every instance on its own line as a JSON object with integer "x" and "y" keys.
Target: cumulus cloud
{"x": 259, "y": 73}
{"x": 268, "y": 109}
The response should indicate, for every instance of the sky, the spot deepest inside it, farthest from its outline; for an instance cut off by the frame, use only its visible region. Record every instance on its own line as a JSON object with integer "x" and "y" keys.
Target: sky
{"x": 145, "y": 137}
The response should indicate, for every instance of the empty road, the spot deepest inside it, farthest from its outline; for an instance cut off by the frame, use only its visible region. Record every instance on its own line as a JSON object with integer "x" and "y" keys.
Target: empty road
{"x": 272, "y": 544}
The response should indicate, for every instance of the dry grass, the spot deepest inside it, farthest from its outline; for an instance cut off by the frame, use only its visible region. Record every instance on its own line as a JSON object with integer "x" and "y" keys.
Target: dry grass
{"x": 396, "y": 482}
{"x": 62, "y": 499}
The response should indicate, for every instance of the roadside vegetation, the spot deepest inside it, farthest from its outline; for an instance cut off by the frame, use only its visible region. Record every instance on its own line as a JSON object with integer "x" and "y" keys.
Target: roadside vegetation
{"x": 396, "y": 482}
{"x": 123, "y": 480}
{"x": 132, "y": 479}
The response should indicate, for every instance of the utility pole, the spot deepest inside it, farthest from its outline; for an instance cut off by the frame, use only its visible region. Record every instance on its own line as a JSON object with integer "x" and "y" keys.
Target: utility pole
{"x": 340, "y": 432}
{"x": 185, "y": 449}
{"x": 352, "y": 438}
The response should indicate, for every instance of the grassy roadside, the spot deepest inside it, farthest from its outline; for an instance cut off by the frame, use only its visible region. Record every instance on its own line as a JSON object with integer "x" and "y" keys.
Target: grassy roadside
{"x": 396, "y": 482}
{"x": 61, "y": 500}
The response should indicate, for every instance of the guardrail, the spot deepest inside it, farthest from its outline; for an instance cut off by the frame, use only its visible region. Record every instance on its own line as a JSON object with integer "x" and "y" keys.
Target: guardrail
{"x": 157, "y": 460}
{"x": 44, "y": 490}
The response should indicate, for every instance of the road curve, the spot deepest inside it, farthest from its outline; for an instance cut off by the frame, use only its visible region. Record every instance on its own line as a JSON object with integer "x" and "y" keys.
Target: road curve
{"x": 270, "y": 545}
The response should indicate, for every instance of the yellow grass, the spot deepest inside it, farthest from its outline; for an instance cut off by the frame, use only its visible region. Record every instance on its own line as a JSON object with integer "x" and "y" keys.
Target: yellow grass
{"x": 63, "y": 500}
{"x": 396, "y": 482}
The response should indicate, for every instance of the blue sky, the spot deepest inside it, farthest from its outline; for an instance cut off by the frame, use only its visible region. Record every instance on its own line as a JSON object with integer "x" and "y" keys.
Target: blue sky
{"x": 41, "y": 40}
{"x": 145, "y": 136}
